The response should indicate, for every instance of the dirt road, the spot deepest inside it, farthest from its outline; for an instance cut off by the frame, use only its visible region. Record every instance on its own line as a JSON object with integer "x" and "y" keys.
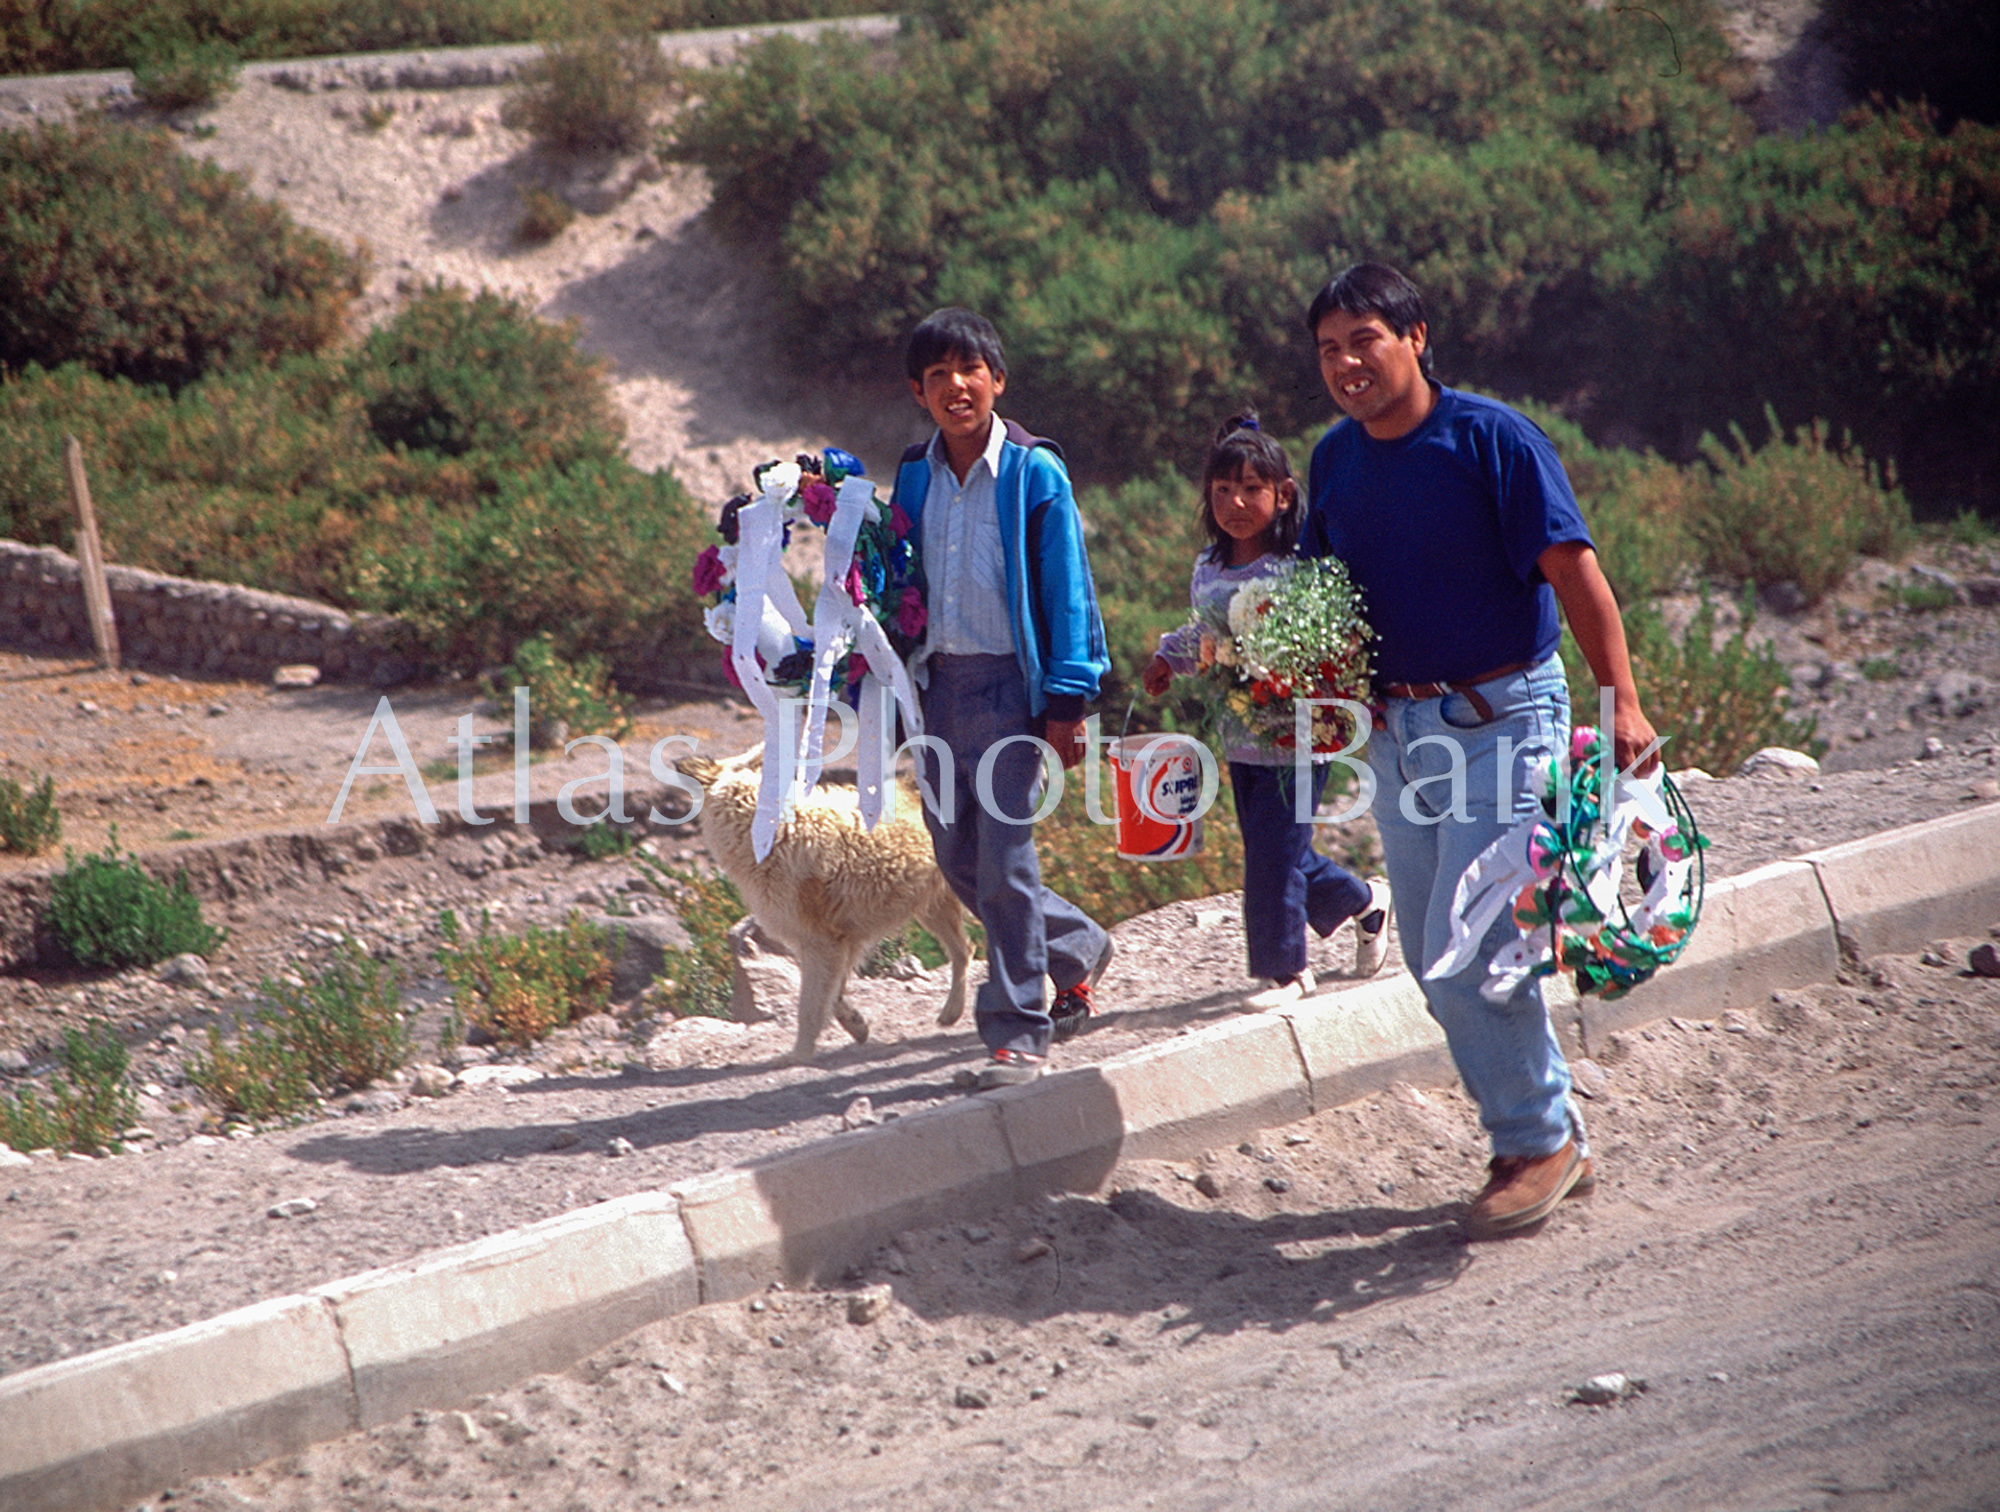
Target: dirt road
{"x": 1795, "y": 1248}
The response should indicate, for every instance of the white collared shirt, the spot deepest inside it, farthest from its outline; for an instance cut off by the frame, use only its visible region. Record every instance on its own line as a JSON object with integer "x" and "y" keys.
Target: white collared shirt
{"x": 964, "y": 559}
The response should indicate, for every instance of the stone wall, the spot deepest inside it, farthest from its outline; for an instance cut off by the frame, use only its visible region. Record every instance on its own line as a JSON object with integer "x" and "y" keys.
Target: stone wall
{"x": 170, "y": 624}
{"x": 179, "y": 625}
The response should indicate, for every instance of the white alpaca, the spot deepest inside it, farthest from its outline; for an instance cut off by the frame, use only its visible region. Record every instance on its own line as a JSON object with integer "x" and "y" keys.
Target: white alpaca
{"x": 831, "y": 889}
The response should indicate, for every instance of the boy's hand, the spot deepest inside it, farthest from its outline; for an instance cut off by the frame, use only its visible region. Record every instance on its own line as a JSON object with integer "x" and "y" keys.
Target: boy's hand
{"x": 1066, "y": 735}
{"x": 1157, "y": 676}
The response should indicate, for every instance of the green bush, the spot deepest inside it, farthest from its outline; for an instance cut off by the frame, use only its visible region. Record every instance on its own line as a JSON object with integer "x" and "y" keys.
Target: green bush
{"x": 576, "y": 695}
{"x": 461, "y": 468}
{"x": 90, "y": 1101}
{"x": 108, "y": 910}
{"x": 911, "y": 940}
{"x": 29, "y": 819}
{"x": 1797, "y": 510}
{"x": 590, "y": 555}
{"x": 520, "y": 987}
{"x": 607, "y": 841}
{"x": 480, "y": 374}
{"x": 697, "y": 982}
{"x": 342, "y": 1029}
{"x": 590, "y": 94}
{"x": 1717, "y": 704}
{"x": 182, "y": 75}
{"x": 119, "y": 251}
{"x": 1851, "y": 273}
{"x": 259, "y": 1076}
{"x": 544, "y": 216}
{"x": 1144, "y": 193}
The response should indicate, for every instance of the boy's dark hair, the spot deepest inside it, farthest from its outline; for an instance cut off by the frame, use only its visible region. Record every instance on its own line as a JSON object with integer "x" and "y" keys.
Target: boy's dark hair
{"x": 1372, "y": 289}
{"x": 952, "y": 333}
{"x": 1242, "y": 446}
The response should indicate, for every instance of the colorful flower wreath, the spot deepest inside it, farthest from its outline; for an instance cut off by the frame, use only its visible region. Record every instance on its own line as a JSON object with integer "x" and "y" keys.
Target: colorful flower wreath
{"x": 1296, "y": 634}
{"x": 884, "y": 575}
{"x": 1561, "y": 880}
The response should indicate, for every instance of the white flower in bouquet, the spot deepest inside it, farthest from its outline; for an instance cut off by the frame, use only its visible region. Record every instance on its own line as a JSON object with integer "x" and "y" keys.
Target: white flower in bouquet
{"x": 1297, "y": 633}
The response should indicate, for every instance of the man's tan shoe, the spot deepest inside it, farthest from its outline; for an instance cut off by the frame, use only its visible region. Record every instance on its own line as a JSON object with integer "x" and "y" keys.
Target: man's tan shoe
{"x": 1524, "y": 1189}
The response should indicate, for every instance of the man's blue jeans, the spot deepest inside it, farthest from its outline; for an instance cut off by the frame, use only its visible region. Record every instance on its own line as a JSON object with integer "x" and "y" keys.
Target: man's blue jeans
{"x": 973, "y": 703}
{"x": 1440, "y": 800}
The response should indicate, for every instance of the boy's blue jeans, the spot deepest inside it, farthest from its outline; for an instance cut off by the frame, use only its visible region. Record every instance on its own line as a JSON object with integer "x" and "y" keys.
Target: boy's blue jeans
{"x": 973, "y": 703}
{"x": 1286, "y": 883}
{"x": 1506, "y": 1053}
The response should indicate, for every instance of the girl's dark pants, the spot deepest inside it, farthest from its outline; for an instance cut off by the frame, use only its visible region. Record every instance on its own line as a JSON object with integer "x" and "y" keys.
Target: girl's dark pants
{"x": 1286, "y": 883}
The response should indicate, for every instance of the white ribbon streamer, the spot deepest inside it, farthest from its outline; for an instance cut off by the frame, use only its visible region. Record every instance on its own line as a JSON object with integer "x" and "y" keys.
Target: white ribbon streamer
{"x": 1499, "y": 873}
{"x": 764, "y": 625}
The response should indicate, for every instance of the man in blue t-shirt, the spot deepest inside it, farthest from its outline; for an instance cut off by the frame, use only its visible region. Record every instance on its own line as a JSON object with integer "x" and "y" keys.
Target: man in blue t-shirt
{"x": 1457, "y": 522}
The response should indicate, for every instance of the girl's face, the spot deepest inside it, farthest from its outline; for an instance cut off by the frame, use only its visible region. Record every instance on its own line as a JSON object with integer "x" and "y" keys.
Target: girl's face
{"x": 1246, "y": 505}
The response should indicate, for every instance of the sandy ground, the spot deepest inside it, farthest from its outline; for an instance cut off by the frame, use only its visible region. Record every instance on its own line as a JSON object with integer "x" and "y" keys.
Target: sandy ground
{"x": 681, "y": 320}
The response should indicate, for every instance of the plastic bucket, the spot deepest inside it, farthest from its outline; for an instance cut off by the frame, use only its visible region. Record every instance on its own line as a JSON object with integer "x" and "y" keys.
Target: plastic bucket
{"x": 1167, "y": 770}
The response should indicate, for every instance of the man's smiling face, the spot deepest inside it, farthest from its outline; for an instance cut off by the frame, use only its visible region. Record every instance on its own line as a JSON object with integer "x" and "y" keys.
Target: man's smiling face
{"x": 1374, "y": 375}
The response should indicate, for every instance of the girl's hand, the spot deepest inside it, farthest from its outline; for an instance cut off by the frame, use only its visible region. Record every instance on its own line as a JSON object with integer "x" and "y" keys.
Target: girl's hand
{"x": 1157, "y": 676}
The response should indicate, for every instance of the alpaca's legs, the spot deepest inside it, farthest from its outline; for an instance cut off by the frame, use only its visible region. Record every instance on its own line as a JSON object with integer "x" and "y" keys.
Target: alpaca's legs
{"x": 850, "y": 1018}
{"x": 824, "y": 966}
{"x": 943, "y": 917}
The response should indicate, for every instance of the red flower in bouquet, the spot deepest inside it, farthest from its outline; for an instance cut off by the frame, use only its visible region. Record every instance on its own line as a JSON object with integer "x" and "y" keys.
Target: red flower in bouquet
{"x": 817, "y": 498}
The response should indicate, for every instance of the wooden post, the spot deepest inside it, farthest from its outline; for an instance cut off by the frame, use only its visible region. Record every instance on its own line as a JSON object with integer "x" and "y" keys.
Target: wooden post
{"x": 90, "y": 559}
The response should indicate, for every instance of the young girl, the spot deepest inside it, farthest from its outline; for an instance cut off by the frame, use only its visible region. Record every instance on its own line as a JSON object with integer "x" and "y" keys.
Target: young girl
{"x": 1250, "y": 511}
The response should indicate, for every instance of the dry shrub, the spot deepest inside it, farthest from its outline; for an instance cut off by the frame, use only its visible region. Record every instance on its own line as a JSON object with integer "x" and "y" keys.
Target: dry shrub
{"x": 519, "y": 988}
{"x": 591, "y": 94}
{"x": 1797, "y": 510}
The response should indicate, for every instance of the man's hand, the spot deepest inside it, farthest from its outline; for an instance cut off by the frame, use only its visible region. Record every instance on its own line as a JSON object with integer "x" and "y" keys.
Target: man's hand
{"x": 1157, "y": 676}
{"x": 1572, "y": 570}
{"x": 1631, "y": 733}
{"x": 1066, "y": 735}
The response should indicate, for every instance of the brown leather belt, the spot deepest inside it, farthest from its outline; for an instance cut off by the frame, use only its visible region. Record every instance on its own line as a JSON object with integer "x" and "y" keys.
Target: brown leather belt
{"x": 1468, "y": 686}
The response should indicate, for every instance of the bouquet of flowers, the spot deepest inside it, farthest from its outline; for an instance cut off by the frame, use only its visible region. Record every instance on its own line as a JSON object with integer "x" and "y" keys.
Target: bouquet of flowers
{"x": 1295, "y": 634}
{"x": 883, "y": 576}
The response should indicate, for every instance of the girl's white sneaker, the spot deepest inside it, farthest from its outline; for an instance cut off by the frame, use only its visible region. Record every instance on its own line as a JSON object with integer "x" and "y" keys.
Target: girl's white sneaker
{"x": 1278, "y": 994}
{"x": 1372, "y": 944}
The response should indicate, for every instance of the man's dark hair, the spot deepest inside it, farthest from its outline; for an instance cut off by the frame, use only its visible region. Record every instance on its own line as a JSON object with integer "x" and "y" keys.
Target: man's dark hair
{"x": 953, "y": 333}
{"x": 1372, "y": 289}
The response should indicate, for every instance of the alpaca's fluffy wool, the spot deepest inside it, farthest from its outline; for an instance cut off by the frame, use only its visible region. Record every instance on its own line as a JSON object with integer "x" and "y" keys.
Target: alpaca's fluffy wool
{"x": 831, "y": 889}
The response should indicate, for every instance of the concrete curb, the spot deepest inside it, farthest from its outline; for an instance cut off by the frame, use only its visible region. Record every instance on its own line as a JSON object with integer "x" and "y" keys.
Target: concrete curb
{"x": 110, "y": 1428}
{"x": 1922, "y": 882}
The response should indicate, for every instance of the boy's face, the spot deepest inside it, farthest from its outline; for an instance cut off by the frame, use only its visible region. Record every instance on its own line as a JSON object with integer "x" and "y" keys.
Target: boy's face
{"x": 958, "y": 394}
{"x": 1374, "y": 374}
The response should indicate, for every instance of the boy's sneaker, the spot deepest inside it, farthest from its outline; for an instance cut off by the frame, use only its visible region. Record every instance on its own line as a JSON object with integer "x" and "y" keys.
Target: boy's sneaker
{"x": 1371, "y": 930}
{"x": 1072, "y": 1005}
{"x": 1069, "y": 1010}
{"x": 1010, "y": 1068}
{"x": 1278, "y": 994}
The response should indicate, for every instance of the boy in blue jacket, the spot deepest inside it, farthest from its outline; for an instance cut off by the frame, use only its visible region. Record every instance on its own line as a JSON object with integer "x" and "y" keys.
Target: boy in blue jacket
{"x": 1012, "y": 650}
